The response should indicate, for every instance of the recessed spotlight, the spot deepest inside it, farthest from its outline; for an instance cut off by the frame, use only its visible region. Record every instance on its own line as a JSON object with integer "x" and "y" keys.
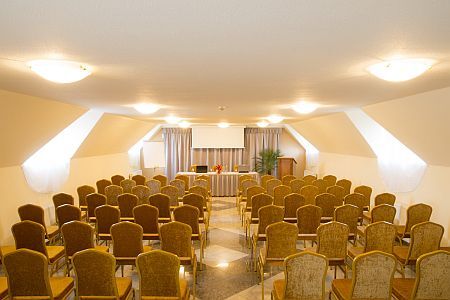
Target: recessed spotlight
{"x": 146, "y": 108}
{"x": 304, "y": 107}
{"x": 60, "y": 71}
{"x": 173, "y": 120}
{"x": 223, "y": 125}
{"x": 275, "y": 119}
{"x": 262, "y": 124}
{"x": 400, "y": 69}
{"x": 184, "y": 124}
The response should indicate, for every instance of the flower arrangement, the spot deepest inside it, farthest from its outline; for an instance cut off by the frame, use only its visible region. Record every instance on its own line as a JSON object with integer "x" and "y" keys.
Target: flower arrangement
{"x": 218, "y": 168}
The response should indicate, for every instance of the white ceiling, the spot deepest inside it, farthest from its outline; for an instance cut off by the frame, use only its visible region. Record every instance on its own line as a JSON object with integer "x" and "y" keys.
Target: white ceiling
{"x": 254, "y": 57}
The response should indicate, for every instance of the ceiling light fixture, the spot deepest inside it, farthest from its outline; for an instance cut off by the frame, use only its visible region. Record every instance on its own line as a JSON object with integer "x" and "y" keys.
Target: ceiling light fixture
{"x": 262, "y": 124}
{"x": 60, "y": 71}
{"x": 146, "y": 108}
{"x": 223, "y": 125}
{"x": 275, "y": 119}
{"x": 173, "y": 120}
{"x": 304, "y": 107}
{"x": 184, "y": 124}
{"x": 400, "y": 69}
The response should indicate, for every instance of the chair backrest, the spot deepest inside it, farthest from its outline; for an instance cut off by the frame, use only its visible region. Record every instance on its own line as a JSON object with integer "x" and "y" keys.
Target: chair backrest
{"x": 142, "y": 192}
{"x": 309, "y": 179}
{"x": 207, "y": 178}
{"x": 106, "y": 216}
{"x": 161, "y": 178}
{"x": 172, "y": 192}
{"x": 287, "y": 179}
{"x": 111, "y": 193}
{"x": 126, "y": 204}
{"x": 95, "y": 274}
{"x": 331, "y": 179}
{"x": 159, "y": 274}
{"x": 432, "y": 276}
{"x": 358, "y": 200}
{"x": 189, "y": 215}
{"x": 127, "y": 185}
{"x": 61, "y": 199}
{"x": 116, "y": 179}
{"x": 332, "y": 240}
{"x": 196, "y": 201}
{"x": 82, "y": 192}
{"x": 279, "y": 193}
{"x": 380, "y": 236}
{"x": 327, "y": 202}
{"x": 308, "y": 219}
{"x": 281, "y": 240}
{"x": 179, "y": 184}
{"x": 101, "y": 185}
{"x": 185, "y": 179}
{"x": 305, "y": 274}
{"x": 199, "y": 191}
{"x": 292, "y": 202}
{"x": 321, "y": 184}
{"x": 425, "y": 237}
{"x": 366, "y": 191}
{"x": 373, "y": 273}
{"x": 27, "y": 273}
{"x": 66, "y": 213}
{"x": 176, "y": 238}
{"x": 346, "y": 184}
{"x": 93, "y": 201}
{"x": 264, "y": 179}
{"x": 77, "y": 236}
{"x": 271, "y": 185}
{"x": 139, "y": 179}
{"x": 127, "y": 239}
{"x": 31, "y": 212}
{"x": 162, "y": 202}
{"x": 154, "y": 186}
{"x": 258, "y": 201}
{"x": 296, "y": 185}
{"x": 252, "y": 191}
{"x": 383, "y": 212}
{"x": 416, "y": 214}
{"x": 147, "y": 216}
{"x": 348, "y": 214}
{"x": 385, "y": 198}
{"x": 246, "y": 184}
{"x": 268, "y": 215}
{"x": 29, "y": 235}
{"x": 338, "y": 191}
{"x": 309, "y": 192}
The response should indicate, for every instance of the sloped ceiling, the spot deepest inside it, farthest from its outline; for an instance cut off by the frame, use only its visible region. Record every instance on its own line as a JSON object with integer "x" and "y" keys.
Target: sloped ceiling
{"x": 421, "y": 122}
{"x": 334, "y": 133}
{"x": 113, "y": 134}
{"x": 27, "y": 123}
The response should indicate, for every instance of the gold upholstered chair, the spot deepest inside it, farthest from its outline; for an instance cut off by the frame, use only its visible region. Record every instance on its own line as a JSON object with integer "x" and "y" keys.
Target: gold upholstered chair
{"x": 415, "y": 214}
{"x": 385, "y": 198}
{"x": 309, "y": 192}
{"x": 176, "y": 239}
{"x": 82, "y": 192}
{"x": 199, "y": 202}
{"x": 35, "y": 213}
{"x": 252, "y": 218}
{"x": 161, "y": 178}
{"x": 159, "y": 276}
{"x": 116, "y": 179}
{"x": 101, "y": 185}
{"x": 106, "y": 216}
{"x": 321, "y": 184}
{"x": 245, "y": 185}
{"x": 127, "y": 240}
{"x": 3, "y": 287}
{"x": 204, "y": 193}
{"x": 264, "y": 179}
{"x": 367, "y": 192}
{"x": 180, "y": 185}
{"x": 308, "y": 220}
{"x": 358, "y": 200}
{"x": 126, "y": 204}
{"x": 327, "y": 202}
{"x": 66, "y": 213}
{"x": 304, "y": 277}
{"x": 93, "y": 201}
{"x": 309, "y": 179}
{"x": 61, "y": 199}
{"x": 425, "y": 237}
{"x": 271, "y": 185}
{"x": 373, "y": 274}
{"x": 154, "y": 186}
{"x": 28, "y": 277}
{"x": 173, "y": 194}
{"x": 247, "y": 205}
{"x": 95, "y": 277}
{"x": 331, "y": 179}
{"x": 337, "y": 191}
{"x": 5, "y": 250}
{"x": 287, "y": 179}
{"x": 31, "y": 235}
{"x": 346, "y": 184}
{"x": 128, "y": 185}
{"x": 279, "y": 193}
{"x": 292, "y": 202}
{"x": 78, "y": 236}
{"x": 349, "y": 215}
{"x": 241, "y": 179}
{"x": 142, "y": 192}
{"x": 281, "y": 239}
{"x": 139, "y": 179}
{"x": 147, "y": 216}
{"x": 207, "y": 178}
{"x": 185, "y": 179}
{"x": 382, "y": 212}
{"x": 111, "y": 193}
{"x": 162, "y": 202}
{"x": 432, "y": 278}
{"x": 296, "y": 185}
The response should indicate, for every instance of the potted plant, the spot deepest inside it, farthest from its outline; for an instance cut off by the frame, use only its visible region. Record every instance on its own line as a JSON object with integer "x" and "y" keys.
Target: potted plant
{"x": 267, "y": 161}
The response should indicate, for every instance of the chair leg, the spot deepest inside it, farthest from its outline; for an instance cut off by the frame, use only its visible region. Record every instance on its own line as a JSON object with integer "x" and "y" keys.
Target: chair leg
{"x": 261, "y": 272}
{"x": 335, "y": 272}
{"x": 121, "y": 269}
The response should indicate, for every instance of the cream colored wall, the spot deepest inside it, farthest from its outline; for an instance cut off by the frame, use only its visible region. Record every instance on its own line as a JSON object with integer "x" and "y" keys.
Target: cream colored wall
{"x": 291, "y": 148}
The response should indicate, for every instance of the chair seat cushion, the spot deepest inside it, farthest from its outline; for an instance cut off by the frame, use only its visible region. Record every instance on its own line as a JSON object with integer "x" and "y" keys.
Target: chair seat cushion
{"x": 61, "y": 286}
{"x": 342, "y": 288}
{"x": 401, "y": 253}
{"x": 6, "y": 249}
{"x": 55, "y": 253}
{"x": 3, "y": 287}
{"x": 355, "y": 251}
{"x": 52, "y": 231}
{"x": 402, "y": 288}
{"x": 123, "y": 287}
{"x": 278, "y": 288}
{"x": 147, "y": 249}
{"x": 184, "y": 289}
{"x": 102, "y": 248}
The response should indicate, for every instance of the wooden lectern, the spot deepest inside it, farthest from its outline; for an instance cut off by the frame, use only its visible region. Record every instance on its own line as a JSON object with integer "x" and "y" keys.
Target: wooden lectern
{"x": 285, "y": 166}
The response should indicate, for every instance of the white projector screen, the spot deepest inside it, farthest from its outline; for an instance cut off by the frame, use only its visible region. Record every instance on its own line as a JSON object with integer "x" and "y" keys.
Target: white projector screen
{"x": 215, "y": 137}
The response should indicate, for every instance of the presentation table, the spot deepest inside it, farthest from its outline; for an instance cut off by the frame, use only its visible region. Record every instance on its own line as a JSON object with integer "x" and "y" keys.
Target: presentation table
{"x": 223, "y": 184}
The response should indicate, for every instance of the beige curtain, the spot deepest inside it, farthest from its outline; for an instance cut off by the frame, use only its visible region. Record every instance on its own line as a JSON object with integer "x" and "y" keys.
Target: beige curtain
{"x": 257, "y": 139}
{"x": 177, "y": 144}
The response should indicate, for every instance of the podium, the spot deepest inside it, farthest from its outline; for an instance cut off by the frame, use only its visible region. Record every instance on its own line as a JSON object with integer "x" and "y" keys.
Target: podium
{"x": 285, "y": 166}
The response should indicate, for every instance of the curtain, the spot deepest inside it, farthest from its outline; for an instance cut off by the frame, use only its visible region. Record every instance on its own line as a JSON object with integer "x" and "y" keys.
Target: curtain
{"x": 177, "y": 145}
{"x": 258, "y": 139}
